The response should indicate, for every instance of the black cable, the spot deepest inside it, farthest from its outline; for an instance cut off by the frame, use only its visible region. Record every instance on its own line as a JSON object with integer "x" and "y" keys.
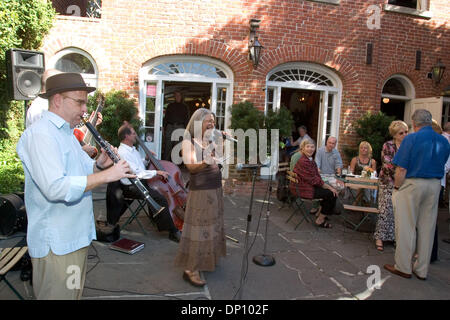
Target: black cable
{"x": 246, "y": 254}
{"x": 96, "y": 255}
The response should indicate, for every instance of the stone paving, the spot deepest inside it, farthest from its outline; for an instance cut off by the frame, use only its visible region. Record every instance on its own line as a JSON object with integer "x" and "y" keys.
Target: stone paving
{"x": 311, "y": 263}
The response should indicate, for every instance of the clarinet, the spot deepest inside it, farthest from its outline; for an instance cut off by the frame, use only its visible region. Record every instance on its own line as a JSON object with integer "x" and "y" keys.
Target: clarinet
{"x": 156, "y": 208}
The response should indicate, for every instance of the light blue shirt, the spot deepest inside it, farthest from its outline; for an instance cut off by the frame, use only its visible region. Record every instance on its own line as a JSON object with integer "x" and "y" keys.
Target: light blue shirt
{"x": 60, "y": 214}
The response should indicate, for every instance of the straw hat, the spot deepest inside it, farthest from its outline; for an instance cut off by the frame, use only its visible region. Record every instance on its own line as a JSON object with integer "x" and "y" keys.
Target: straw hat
{"x": 64, "y": 82}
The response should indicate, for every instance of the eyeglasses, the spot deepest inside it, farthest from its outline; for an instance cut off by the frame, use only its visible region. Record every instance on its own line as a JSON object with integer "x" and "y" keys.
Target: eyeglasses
{"x": 403, "y": 132}
{"x": 80, "y": 102}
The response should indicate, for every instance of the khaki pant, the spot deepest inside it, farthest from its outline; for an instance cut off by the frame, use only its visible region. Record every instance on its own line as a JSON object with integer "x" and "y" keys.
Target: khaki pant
{"x": 60, "y": 277}
{"x": 415, "y": 212}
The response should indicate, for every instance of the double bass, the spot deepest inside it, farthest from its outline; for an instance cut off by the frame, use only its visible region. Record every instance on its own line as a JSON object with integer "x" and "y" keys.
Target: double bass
{"x": 172, "y": 189}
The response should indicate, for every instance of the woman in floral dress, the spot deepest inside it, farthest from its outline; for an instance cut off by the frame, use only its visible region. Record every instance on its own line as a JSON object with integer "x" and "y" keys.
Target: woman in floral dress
{"x": 385, "y": 227}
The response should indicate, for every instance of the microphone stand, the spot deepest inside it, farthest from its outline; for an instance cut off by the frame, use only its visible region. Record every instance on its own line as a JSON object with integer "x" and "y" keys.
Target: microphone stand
{"x": 247, "y": 231}
{"x": 264, "y": 259}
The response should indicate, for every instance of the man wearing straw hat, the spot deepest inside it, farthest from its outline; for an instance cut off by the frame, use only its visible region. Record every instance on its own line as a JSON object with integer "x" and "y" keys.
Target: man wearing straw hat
{"x": 59, "y": 178}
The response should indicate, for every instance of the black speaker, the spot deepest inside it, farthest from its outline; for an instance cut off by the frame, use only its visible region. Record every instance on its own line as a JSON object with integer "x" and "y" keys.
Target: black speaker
{"x": 24, "y": 70}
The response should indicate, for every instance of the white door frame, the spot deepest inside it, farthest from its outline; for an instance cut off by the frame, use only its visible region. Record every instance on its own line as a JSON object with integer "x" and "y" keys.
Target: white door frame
{"x": 336, "y": 89}
{"x": 145, "y": 77}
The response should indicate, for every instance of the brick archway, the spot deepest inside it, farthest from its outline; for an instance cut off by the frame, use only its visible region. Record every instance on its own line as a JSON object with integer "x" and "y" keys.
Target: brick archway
{"x": 153, "y": 48}
{"x": 83, "y": 43}
{"x": 304, "y": 53}
{"x": 403, "y": 69}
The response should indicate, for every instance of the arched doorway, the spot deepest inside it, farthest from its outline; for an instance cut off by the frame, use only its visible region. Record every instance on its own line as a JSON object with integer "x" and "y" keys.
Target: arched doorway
{"x": 313, "y": 95}
{"x": 203, "y": 82}
{"x": 396, "y": 95}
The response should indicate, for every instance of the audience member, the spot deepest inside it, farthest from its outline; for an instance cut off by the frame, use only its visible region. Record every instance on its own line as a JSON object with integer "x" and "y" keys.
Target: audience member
{"x": 363, "y": 160}
{"x": 385, "y": 227}
{"x": 175, "y": 117}
{"x": 420, "y": 165}
{"x": 329, "y": 163}
{"x": 310, "y": 184}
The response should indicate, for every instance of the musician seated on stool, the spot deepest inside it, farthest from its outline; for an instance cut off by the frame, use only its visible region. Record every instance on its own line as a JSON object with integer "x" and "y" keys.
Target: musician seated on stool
{"x": 127, "y": 152}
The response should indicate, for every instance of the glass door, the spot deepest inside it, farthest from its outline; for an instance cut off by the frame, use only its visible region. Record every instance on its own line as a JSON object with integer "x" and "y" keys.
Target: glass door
{"x": 152, "y": 116}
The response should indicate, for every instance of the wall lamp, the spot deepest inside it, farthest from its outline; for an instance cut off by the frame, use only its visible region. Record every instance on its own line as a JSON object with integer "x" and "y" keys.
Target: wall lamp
{"x": 437, "y": 72}
{"x": 254, "y": 46}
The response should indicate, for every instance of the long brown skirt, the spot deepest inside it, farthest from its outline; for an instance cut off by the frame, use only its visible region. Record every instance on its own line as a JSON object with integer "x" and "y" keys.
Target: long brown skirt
{"x": 203, "y": 237}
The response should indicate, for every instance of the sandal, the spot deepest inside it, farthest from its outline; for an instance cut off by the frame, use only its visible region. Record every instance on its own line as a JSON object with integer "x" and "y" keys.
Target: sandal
{"x": 193, "y": 278}
{"x": 379, "y": 247}
{"x": 324, "y": 224}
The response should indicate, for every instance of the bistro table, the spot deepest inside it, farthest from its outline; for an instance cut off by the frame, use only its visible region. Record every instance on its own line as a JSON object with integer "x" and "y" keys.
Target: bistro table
{"x": 365, "y": 187}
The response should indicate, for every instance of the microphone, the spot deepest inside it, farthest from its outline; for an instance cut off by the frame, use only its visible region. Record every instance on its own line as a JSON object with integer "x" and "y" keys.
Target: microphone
{"x": 218, "y": 133}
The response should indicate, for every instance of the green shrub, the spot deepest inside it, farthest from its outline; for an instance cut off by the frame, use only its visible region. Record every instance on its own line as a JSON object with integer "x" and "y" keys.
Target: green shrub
{"x": 23, "y": 24}
{"x": 373, "y": 128}
{"x": 245, "y": 116}
{"x": 118, "y": 107}
{"x": 281, "y": 119}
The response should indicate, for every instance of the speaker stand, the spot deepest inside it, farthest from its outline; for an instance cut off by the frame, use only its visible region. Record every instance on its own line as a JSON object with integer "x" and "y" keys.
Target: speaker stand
{"x": 264, "y": 259}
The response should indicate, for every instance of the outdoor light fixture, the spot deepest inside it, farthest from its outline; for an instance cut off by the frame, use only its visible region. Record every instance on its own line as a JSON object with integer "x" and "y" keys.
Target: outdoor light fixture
{"x": 254, "y": 46}
{"x": 386, "y": 100}
{"x": 437, "y": 72}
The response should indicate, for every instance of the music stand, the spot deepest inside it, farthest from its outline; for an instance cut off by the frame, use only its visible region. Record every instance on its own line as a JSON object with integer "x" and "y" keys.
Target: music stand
{"x": 264, "y": 259}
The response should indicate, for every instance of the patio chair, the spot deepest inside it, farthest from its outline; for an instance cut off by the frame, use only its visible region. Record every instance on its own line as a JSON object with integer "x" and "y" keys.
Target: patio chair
{"x": 300, "y": 203}
{"x": 118, "y": 202}
{"x": 8, "y": 259}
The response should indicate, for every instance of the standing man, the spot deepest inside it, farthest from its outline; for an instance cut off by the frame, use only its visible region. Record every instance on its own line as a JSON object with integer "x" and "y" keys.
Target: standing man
{"x": 127, "y": 151}
{"x": 420, "y": 162}
{"x": 176, "y": 117}
{"x": 59, "y": 178}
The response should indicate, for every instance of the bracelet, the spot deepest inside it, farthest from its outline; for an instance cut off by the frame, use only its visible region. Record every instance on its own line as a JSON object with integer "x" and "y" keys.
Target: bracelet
{"x": 98, "y": 167}
{"x": 396, "y": 188}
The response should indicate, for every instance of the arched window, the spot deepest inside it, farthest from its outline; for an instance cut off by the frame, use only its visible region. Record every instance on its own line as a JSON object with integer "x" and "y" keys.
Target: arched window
{"x": 396, "y": 94}
{"x": 191, "y": 68}
{"x": 76, "y": 60}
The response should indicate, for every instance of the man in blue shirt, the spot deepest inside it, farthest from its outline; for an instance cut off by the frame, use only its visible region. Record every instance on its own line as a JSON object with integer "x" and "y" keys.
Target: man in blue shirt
{"x": 59, "y": 177}
{"x": 420, "y": 162}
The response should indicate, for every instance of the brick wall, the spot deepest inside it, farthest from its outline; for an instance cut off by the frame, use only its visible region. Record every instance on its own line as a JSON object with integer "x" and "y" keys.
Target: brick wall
{"x": 130, "y": 33}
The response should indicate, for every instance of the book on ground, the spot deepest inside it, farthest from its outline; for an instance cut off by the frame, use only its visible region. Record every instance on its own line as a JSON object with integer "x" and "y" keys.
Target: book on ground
{"x": 127, "y": 245}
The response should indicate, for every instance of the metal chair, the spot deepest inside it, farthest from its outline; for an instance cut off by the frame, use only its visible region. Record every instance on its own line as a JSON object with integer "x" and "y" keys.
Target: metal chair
{"x": 117, "y": 203}
{"x": 134, "y": 212}
{"x": 8, "y": 258}
{"x": 298, "y": 202}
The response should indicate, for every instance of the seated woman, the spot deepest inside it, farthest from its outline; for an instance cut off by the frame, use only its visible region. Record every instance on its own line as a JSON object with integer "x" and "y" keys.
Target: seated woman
{"x": 310, "y": 184}
{"x": 363, "y": 160}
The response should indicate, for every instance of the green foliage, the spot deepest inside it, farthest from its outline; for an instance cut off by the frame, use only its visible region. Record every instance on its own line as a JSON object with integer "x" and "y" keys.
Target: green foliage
{"x": 118, "y": 107}
{"x": 281, "y": 120}
{"x": 245, "y": 116}
{"x": 373, "y": 128}
{"x": 11, "y": 171}
{"x": 23, "y": 24}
